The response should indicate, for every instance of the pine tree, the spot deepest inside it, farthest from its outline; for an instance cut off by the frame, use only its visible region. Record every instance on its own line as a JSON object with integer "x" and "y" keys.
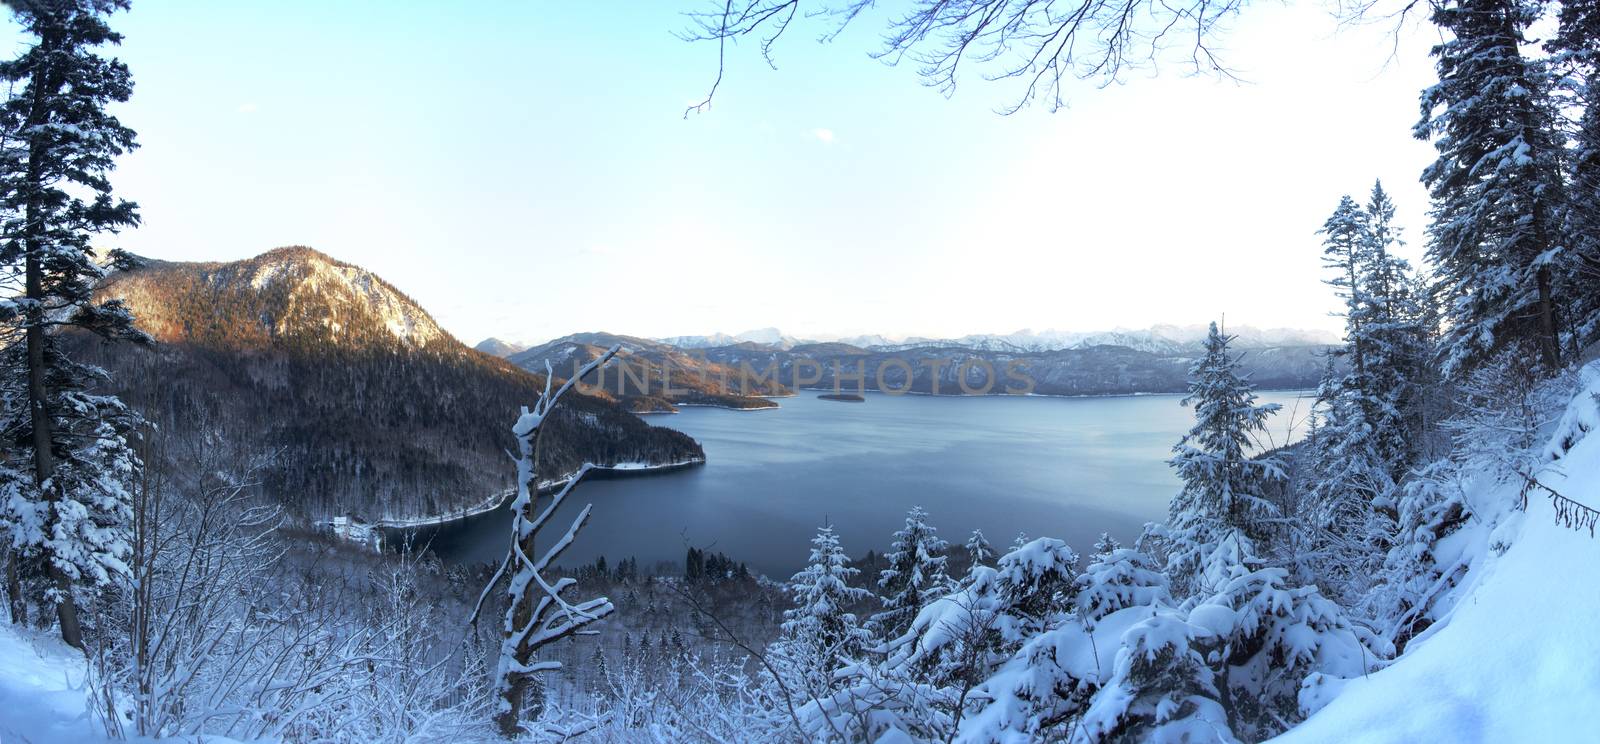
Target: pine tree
{"x": 1223, "y": 487}
{"x": 915, "y": 576}
{"x": 819, "y": 634}
{"x": 1495, "y": 186}
{"x": 59, "y": 147}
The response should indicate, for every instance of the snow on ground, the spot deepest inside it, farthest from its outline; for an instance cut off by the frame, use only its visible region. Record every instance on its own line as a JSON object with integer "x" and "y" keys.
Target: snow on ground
{"x": 42, "y": 697}
{"x": 1519, "y": 659}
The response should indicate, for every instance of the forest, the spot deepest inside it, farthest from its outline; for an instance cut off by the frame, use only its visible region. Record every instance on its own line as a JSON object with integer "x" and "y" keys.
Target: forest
{"x": 1412, "y": 569}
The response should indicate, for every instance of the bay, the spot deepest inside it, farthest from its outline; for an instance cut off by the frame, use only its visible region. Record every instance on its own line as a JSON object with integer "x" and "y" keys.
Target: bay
{"x": 1049, "y": 467}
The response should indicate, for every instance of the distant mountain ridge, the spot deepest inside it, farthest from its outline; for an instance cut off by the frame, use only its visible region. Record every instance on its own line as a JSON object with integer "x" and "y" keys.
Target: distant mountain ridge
{"x": 950, "y": 369}
{"x": 1157, "y": 339}
{"x": 652, "y": 376}
{"x": 370, "y": 407}
{"x": 765, "y": 336}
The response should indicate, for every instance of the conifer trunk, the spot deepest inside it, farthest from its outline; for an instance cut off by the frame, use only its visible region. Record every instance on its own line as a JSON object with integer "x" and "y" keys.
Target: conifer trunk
{"x": 1549, "y": 342}
{"x": 44, "y": 464}
{"x": 18, "y": 607}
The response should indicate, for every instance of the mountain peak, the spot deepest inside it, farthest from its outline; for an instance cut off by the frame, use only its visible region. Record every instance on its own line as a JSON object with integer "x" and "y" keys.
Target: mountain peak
{"x": 287, "y": 293}
{"x": 499, "y": 347}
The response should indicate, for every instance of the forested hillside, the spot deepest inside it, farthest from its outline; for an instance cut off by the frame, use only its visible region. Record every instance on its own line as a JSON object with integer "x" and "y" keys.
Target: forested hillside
{"x": 366, "y": 404}
{"x": 652, "y": 376}
{"x": 963, "y": 370}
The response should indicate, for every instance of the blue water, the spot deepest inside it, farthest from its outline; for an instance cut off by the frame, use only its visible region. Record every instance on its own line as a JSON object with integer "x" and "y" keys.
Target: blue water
{"x": 1058, "y": 467}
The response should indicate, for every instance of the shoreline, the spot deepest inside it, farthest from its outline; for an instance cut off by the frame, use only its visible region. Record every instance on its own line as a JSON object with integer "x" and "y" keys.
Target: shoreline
{"x": 619, "y": 470}
{"x": 715, "y": 405}
{"x": 1045, "y": 395}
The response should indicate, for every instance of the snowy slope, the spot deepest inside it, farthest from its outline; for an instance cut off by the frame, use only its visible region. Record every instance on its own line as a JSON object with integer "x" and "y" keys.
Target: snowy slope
{"x": 1517, "y": 659}
{"x": 41, "y": 690}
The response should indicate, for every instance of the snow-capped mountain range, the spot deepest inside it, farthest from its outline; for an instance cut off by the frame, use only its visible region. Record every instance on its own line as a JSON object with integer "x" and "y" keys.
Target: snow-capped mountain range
{"x": 1157, "y": 339}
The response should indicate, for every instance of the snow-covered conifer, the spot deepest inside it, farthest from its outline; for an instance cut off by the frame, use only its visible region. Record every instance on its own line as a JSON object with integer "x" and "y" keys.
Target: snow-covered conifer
{"x": 1223, "y": 486}
{"x": 1343, "y": 242}
{"x": 979, "y": 551}
{"x": 1115, "y": 580}
{"x": 1495, "y": 186}
{"x": 55, "y": 197}
{"x": 820, "y": 634}
{"x": 1106, "y": 545}
{"x": 1576, "y": 47}
{"x": 915, "y": 576}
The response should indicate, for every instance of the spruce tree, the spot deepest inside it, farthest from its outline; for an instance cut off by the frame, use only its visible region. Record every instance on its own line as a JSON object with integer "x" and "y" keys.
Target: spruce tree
{"x": 1344, "y": 239}
{"x": 1223, "y": 486}
{"x": 60, "y": 144}
{"x": 1576, "y": 48}
{"x": 819, "y": 633}
{"x": 1367, "y": 421}
{"x": 1106, "y": 545}
{"x": 1390, "y": 326}
{"x": 915, "y": 576}
{"x": 1495, "y": 187}
{"x": 979, "y": 551}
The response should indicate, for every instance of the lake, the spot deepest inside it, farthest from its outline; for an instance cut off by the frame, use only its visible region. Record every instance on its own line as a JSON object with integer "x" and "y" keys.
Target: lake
{"x": 1050, "y": 467}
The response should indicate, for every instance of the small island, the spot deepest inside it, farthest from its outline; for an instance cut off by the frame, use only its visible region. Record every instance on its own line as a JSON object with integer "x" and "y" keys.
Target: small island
{"x": 845, "y": 397}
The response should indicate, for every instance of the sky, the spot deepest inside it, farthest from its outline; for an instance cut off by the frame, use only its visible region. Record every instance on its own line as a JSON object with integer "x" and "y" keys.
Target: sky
{"x": 524, "y": 170}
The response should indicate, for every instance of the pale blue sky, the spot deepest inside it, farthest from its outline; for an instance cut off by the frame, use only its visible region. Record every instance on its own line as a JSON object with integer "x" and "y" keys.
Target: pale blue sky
{"x": 524, "y": 170}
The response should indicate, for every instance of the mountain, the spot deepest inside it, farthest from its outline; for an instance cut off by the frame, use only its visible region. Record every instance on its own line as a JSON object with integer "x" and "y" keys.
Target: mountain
{"x": 368, "y": 406}
{"x": 1104, "y": 369}
{"x": 765, "y": 336}
{"x": 1157, "y": 339}
{"x": 495, "y": 347}
{"x": 652, "y": 376}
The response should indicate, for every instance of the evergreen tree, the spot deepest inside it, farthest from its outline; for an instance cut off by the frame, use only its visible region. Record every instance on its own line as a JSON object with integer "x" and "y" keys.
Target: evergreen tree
{"x": 1106, "y": 545}
{"x": 599, "y": 674}
{"x": 1576, "y": 46}
{"x": 979, "y": 551}
{"x": 915, "y": 576}
{"x": 1495, "y": 186}
{"x": 1342, "y": 245}
{"x": 1116, "y": 579}
{"x": 1223, "y": 487}
{"x": 1366, "y": 422}
{"x": 60, "y": 143}
{"x": 819, "y": 634}
{"x": 1392, "y": 331}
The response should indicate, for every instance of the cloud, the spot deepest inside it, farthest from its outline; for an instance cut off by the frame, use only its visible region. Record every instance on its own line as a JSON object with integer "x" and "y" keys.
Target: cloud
{"x": 823, "y": 135}
{"x": 247, "y": 108}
